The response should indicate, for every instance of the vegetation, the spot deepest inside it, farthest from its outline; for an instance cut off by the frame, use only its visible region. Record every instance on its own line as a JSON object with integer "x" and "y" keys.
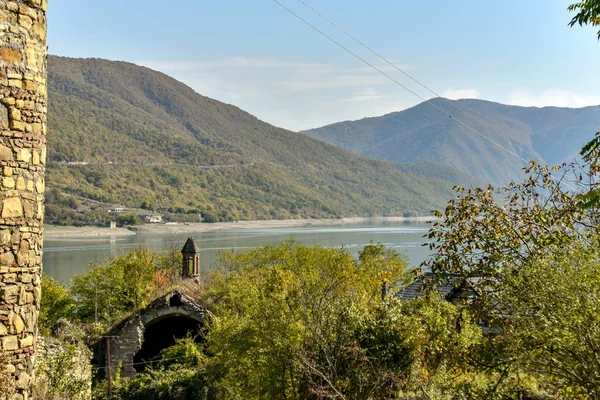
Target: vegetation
{"x": 124, "y": 284}
{"x": 63, "y": 371}
{"x": 123, "y": 134}
{"x": 423, "y": 134}
{"x": 57, "y": 303}
{"x": 588, "y": 13}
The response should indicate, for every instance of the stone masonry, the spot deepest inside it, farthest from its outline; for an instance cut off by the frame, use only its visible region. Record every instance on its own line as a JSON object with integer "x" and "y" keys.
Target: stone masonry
{"x": 23, "y": 99}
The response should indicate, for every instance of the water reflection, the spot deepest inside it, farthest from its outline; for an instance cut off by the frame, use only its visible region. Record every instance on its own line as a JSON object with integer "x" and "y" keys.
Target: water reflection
{"x": 65, "y": 257}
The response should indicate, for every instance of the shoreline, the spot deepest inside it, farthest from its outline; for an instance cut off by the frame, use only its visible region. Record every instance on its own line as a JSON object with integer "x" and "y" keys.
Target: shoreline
{"x": 56, "y": 232}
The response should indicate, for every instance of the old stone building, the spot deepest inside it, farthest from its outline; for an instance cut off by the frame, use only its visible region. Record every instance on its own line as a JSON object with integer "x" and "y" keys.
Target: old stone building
{"x": 191, "y": 259}
{"x": 22, "y": 159}
{"x": 138, "y": 339}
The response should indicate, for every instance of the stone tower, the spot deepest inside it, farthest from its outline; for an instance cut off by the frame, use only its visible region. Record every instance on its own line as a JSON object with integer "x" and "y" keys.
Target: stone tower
{"x": 191, "y": 259}
{"x": 23, "y": 98}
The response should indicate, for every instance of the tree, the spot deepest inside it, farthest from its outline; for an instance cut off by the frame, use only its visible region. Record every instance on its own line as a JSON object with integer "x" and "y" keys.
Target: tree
{"x": 56, "y": 303}
{"x": 588, "y": 13}
{"x": 532, "y": 251}
{"x": 122, "y": 285}
{"x": 286, "y": 318}
{"x": 551, "y": 305}
{"x": 482, "y": 231}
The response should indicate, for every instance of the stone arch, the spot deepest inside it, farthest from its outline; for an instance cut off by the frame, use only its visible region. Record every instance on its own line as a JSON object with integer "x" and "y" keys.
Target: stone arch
{"x": 138, "y": 339}
{"x": 162, "y": 333}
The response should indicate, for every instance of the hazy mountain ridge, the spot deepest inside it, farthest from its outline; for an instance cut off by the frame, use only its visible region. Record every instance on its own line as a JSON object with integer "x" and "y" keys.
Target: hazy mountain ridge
{"x": 423, "y": 134}
{"x": 145, "y": 137}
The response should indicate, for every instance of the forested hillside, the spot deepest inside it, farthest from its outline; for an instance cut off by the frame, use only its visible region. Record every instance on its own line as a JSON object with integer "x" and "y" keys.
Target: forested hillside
{"x": 124, "y": 134}
{"x": 423, "y": 134}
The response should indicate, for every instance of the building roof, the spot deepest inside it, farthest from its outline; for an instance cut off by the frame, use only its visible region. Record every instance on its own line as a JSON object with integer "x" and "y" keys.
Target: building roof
{"x": 449, "y": 286}
{"x": 190, "y": 246}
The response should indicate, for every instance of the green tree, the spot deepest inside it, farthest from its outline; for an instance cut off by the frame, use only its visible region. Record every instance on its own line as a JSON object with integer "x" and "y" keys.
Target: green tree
{"x": 588, "y": 13}
{"x": 531, "y": 248}
{"x": 482, "y": 231}
{"x": 56, "y": 303}
{"x": 286, "y": 317}
{"x": 122, "y": 285}
{"x": 127, "y": 219}
{"x": 551, "y": 305}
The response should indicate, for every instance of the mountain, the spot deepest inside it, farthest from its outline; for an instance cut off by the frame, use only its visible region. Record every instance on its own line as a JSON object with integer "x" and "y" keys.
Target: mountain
{"x": 423, "y": 134}
{"x": 121, "y": 134}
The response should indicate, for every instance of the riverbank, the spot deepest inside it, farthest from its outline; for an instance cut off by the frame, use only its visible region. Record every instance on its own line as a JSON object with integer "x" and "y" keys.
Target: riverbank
{"x": 90, "y": 231}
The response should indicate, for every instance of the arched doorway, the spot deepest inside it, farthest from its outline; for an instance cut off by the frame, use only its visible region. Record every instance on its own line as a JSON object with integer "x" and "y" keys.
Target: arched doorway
{"x": 161, "y": 334}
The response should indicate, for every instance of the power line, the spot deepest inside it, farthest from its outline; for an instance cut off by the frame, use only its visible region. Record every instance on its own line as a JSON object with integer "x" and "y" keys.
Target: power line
{"x": 140, "y": 363}
{"x": 482, "y": 123}
{"x": 412, "y": 91}
{"x": 398, "y": 83}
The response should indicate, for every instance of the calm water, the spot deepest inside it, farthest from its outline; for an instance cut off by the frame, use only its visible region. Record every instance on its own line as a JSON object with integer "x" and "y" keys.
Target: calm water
{"x": 64, "y": 258}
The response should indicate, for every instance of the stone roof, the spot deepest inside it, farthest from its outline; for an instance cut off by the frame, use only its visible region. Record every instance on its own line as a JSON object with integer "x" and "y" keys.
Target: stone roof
{"x": 448, "y": 287}
{"x": 190, "y": 246}
{"x": 165, "y": 304}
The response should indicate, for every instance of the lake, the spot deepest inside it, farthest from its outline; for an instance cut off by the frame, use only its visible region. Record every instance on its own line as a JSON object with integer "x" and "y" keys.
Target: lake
{"x": 66, "y": 257}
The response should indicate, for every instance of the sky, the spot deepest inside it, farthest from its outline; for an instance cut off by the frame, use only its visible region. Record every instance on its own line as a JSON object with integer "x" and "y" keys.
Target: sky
{"x": 257, "y": 56}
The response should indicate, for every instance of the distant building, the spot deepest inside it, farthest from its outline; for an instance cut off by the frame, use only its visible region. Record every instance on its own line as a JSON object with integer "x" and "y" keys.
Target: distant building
{"x": 118, "y": 210}
{"x": 154, "y": 219}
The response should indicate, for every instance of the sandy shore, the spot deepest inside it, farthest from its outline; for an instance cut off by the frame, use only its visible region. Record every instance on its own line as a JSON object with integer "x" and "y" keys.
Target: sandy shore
{"x": 69, "y": 231}
{"x": 52, "y": 231}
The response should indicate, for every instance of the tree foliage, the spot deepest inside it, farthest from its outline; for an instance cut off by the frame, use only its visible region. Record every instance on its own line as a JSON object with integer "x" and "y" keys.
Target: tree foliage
{"x": 587, "y": 13}
{"x": 286, "y": 317}
{"x": 124, "y": 284}
{"x": 530, "y": 251}
{"x": 56, "y": 303}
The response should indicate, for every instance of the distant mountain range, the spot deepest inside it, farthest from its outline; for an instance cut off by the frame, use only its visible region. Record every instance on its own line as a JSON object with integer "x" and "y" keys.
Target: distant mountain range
{"x": 124, "y": 134}
{"x": 423, "y": 134}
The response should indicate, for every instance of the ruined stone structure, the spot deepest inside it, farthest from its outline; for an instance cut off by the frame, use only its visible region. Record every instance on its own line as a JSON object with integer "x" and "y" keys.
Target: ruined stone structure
{"x": 22, "y": 158}
{"x": 138, "y": 339}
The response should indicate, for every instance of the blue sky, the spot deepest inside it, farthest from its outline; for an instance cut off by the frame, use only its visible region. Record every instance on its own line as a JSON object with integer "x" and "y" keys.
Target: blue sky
{"x": 255, "y": 55}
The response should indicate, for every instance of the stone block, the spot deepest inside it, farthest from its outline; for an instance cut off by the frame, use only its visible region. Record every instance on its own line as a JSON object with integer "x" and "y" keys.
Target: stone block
{"x": 24, "y": 155}
{"x": 3, "y": 117}
{"x": 4, "y": 237}
{"x": 8, "y": 171}
{"x": 10, "y": 55}
{"x": 28, "y": 208}
{"x": 7, "y": 259}
{"x": 8, "y": 182}
{"x": 26, "y": 341}
{"x": 3, "y": 329}
{"x": 6, "y": 153}
{"x": 15, "y": 114}
{"x": 21, "y": 184}
{"x": 8, "y": 343}
{"x": 17, "y": 125}
{"x": 9, "y": 294}
{"x": 22, "y": 380}
{"x": 39, "y": 185}
{"x": 17, "y": 323}
{"x": 12, "y": 207}
{"x": 15, "y": 83}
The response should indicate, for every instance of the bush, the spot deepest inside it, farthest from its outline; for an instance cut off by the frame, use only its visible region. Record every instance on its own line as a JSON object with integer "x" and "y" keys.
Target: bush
{"x": 56, "y": 303}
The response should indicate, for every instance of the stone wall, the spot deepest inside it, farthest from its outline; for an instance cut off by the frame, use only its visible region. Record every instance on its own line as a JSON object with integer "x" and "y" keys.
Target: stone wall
{"x": 22, "y": 157}
{"x": 127, "y": 337}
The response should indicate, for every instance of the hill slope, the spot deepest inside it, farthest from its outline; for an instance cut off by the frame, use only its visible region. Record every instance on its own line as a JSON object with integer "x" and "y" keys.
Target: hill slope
{"x": 124, "y": 134}
{"x": 423, "y": 134}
